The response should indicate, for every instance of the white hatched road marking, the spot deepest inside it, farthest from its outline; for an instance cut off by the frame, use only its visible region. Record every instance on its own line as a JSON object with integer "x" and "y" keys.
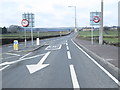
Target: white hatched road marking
{"x": 8, "y": 63}
{"x": 25, "y": 55}
{"x": 4, "y": 67}
{"x": 13, "y": 54}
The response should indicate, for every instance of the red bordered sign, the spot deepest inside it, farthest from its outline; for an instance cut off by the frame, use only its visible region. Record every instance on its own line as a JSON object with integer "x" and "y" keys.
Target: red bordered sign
{"x": 25, "y": 23}
{"x": 96, "y": 19}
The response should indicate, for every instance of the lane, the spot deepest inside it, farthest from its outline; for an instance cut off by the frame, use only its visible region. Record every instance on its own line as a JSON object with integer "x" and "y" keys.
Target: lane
{"x": 58, "y": 73}
{"x": 68, "y": 67}
{"x": 88, "y": 72}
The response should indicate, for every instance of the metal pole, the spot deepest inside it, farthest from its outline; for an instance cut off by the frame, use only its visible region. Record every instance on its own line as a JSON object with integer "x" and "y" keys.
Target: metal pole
{"x": 75, "y": 21}
{"x": 101, "y": 25}
{"x": 25, "y": 37}
{"x": 32, "y": 36}
{"x": 92, "y": 35}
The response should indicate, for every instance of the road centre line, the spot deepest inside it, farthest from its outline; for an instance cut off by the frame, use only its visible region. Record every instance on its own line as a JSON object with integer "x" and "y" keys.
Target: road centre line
{"x": 66, "y": 44}
{"x": 16, "y": 61}
{"x": 103, "y": 69}
{"x": 67, "y": 47}
{"x": 68, "y": 54}
{"x": 74, "y": 78}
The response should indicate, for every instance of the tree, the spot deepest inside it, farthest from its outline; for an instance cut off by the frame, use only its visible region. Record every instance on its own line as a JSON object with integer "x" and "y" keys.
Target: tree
{"x": 14, "y": 29}
{"x": 4, "y": 30}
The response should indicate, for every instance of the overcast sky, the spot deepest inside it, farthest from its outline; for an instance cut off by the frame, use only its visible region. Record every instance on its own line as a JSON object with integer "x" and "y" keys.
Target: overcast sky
{"x": 56, "y": 13}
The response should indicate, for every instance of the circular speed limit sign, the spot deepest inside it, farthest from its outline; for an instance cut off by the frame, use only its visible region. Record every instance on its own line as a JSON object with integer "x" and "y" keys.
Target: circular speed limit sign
{"x": 96, "y": 19}
{"x": 25, "y": 23}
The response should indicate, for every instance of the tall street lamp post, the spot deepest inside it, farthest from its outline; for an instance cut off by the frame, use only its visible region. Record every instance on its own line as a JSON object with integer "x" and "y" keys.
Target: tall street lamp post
{"x": 75, "y": 29}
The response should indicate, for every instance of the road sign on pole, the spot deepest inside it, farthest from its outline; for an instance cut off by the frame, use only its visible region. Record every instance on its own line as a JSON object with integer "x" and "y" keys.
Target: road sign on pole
{"x": 30, "y": 18}
{"x": 25, "y": 23}
{"x": 94, "y": 21}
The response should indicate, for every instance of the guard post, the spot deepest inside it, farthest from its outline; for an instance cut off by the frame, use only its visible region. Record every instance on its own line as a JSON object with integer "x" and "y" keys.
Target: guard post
{"x": 15, "y": 45}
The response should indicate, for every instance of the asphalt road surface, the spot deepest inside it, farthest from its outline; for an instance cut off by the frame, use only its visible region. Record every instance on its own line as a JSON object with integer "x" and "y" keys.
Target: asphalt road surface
{"x": 61, "y": 64}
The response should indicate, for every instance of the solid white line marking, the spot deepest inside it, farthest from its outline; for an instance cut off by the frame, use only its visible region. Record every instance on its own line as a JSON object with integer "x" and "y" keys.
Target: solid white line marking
{"x": 67, "y": 48}
{"x": 4, "y": 67}
{"x": 69, "y": 55}
{"x": 25, "y": 55}
{"x": 110, "y": 75}
{"x": 74, "y": 78}
{"x": 13, "y": 54}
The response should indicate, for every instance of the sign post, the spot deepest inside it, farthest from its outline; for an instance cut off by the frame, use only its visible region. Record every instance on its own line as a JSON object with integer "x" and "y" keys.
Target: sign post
{"x": 94, "y": 21}
{"x": 30, "y": 18}
{"x": 25, "y": 23}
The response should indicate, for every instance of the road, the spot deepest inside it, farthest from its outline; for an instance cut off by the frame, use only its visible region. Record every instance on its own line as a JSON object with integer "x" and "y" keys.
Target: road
{"x": 62, "y": 64}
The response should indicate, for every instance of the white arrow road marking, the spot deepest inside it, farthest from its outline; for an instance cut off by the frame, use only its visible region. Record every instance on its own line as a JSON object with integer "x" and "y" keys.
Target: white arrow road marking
{"x": 8, "y": 63}
{"x": 39, "y": 65}
{"x": 74, "y": 78}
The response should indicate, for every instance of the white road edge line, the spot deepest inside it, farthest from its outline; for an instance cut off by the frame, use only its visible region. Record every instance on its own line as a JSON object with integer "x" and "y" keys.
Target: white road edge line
{"x": 4, "y": 67}
{"x": 69, "y": 55}
{"x": 110, "y": 75}
{"x": 74, "y": 78}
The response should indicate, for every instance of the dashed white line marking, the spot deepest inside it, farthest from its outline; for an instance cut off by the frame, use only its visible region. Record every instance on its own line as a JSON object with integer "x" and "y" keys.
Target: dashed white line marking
{"x": 4, "y": 67}
{"x": 67, "y": 47}
{"x": 74, "y": 78}
{"x": 68, "y": 54}
{"x": 110, "y": 75}
{"x": 66, "y": 44}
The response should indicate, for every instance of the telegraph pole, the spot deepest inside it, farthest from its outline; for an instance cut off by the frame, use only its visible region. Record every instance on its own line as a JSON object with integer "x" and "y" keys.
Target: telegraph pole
{"x": 101, "y": 25}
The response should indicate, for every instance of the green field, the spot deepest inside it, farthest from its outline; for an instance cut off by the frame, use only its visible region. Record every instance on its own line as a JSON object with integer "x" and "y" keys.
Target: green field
{"x": 21, "y": 35}
{"x": 109, "y": 36}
